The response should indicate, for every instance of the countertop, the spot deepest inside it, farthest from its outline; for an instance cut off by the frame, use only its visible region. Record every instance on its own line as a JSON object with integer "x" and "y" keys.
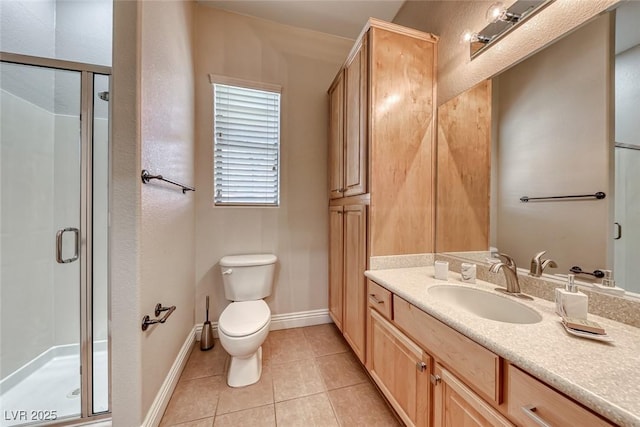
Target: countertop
{"x": 604, "y": 376}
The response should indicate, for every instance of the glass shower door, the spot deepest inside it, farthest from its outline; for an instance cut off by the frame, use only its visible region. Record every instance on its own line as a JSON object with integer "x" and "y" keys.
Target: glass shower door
{"x": 40, "y": 244}
{"x": 100, "y": 246}
{"x": 627, "y": 208}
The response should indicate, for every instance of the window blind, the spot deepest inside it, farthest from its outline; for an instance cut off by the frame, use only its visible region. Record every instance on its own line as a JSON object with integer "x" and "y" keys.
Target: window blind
{"x": 246, "y": 146}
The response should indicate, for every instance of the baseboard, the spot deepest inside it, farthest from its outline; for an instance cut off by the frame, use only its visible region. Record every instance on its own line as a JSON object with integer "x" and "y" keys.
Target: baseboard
{"x": 154, "y": 415}
{"x": 300, "y": 319}
{"x": 283, "y": 321}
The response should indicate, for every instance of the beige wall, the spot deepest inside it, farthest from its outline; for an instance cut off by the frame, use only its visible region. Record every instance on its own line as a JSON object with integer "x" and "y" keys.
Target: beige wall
{"x": 449, "y": 19}
{"x": 553, "y": 139}
{"x": 152, "y": 225}
{"x": 304, "y": 63}
{"x": 167, "y": 233}
{"x": 124, "y": 239}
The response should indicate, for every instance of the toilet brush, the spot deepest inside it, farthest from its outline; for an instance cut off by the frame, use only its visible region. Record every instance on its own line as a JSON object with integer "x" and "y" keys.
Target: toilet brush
{"x": 206, "y": 339}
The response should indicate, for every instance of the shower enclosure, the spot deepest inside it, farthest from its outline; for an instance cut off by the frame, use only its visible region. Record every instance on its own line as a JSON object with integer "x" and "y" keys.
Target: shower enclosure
{"x": 54, "y": 151}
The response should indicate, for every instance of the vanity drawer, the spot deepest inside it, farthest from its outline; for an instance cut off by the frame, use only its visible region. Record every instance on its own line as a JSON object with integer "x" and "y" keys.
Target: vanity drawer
{"x": 529, "y": 398}
{"x": 379, "y": 298}
{"x": 477, "y": 366}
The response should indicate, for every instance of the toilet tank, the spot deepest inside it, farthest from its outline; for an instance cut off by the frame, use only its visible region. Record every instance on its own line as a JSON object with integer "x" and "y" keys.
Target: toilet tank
{"x": 248, "y": 277}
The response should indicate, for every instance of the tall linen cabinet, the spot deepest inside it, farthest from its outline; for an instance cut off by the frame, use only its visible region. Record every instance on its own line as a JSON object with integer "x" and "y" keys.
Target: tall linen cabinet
{"x": 381, "y": 163}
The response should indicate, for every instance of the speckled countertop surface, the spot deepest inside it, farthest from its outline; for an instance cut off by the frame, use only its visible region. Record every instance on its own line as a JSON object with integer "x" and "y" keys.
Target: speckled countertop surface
{"x": 604, "y": 376}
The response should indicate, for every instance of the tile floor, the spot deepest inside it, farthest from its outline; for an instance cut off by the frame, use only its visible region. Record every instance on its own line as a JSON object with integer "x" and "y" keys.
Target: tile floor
{"x": 310, "y": 377}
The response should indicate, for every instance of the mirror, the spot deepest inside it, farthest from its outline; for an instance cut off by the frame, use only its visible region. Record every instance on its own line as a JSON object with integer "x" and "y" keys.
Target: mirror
{"x": 501, "y": 19}
{"x": 549, "y": 126}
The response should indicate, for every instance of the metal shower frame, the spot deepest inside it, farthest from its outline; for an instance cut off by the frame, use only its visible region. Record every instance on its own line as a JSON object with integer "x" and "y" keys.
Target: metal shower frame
{"x": 87, "y": 71}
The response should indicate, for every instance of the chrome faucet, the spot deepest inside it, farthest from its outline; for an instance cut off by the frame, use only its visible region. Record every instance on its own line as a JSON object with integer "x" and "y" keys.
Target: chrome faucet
{"x": 508, "y": 267}
{"x": 538, "y": 264}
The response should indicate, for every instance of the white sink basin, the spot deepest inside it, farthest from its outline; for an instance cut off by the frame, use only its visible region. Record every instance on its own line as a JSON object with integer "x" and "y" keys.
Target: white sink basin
{"x": 484, "y": 304}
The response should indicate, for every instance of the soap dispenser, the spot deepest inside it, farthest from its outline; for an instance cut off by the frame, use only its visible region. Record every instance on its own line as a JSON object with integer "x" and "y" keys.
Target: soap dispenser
{"x": 570, "y": 302}
{"x": 608, "y": 285}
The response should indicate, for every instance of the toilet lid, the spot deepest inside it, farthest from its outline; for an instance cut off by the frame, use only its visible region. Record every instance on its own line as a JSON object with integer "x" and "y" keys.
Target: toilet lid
{"x": 244, "y": 318}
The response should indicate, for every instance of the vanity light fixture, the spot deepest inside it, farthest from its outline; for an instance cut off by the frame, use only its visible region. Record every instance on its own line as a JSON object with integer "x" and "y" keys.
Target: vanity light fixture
{"x": 501, "y": 20}
{"x": 498, "y": 12}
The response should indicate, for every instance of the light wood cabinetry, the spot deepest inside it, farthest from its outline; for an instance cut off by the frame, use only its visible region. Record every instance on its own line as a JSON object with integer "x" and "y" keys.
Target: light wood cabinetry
{"x": 479, "y": 367}
{"x": 348, "y": 104}
{"x": 356, "y": 103}
{"x": 464, "y": 171}
{"x": 336, "y": 137}
{"x": 336, "y": 263}
{"x": 401, "y": 369}
{"x": 355, "y": 287}
{"x": 455, "y": 404}
{"x": 401, "y": 141}
{"x": 381, "y": 158}
{"x": 531, "y": 403}
{"x": 468, "y": 384}
{"x": 380, "y": 299}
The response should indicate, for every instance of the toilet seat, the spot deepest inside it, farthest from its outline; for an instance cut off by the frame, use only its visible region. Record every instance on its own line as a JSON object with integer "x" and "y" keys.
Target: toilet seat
{"x": 244, "y": 318}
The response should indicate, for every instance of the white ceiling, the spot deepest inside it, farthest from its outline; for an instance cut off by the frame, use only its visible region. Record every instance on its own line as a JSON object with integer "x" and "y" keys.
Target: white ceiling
{"x": 343, "y": 18}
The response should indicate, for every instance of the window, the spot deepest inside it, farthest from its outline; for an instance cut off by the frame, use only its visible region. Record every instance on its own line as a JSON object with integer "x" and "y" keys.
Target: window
{"x": 246, "y": 145}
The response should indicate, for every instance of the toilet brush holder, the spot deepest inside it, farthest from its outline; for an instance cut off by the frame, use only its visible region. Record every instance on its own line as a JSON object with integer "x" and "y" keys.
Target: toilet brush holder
{"x": 206, "y": 338}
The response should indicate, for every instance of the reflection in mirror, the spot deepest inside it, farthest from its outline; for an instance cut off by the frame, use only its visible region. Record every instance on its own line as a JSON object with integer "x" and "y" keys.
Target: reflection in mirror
{"x": 627, "y": 148}
{"x": 501, "y": 18}
{"x": 551, "y": 134}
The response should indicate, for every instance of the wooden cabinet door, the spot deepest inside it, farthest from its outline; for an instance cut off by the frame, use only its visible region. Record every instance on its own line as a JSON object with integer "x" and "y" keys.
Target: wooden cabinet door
{"x": 336, "y": 137}
{"x": 356, "y": 123}
{"x": 401, "y": 370}
{"x": 455, "y": 404}
{"x": 355, "y": 287}
{"x": 336, "y": 259}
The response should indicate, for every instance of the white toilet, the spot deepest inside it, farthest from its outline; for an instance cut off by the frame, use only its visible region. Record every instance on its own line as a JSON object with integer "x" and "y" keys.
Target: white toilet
{"x": 244, "y": 324}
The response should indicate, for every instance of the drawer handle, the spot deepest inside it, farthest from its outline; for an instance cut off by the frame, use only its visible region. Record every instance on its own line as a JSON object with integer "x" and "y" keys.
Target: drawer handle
{"x": 530, "y": 411}
{"x": 435, "y": 379}
{"x": 421, "y": 366}
{"x": 375, "y": 298}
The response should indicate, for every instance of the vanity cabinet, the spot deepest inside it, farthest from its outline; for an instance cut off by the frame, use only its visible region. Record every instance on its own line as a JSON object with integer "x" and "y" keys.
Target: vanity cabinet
{"x": 381, "y": 163}
{"x": 427, "y": 370}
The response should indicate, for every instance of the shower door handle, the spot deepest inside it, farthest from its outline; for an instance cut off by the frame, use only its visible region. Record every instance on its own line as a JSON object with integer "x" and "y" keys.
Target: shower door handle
{"x": 59, "y": 235}
{"x": 618, "y": 231}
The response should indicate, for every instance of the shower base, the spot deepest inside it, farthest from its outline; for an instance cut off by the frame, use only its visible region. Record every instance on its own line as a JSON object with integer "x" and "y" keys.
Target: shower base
{"x": 54, "y": 388}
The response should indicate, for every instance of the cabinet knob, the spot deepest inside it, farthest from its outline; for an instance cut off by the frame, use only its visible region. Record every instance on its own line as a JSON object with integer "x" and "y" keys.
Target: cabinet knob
{"x": 342, "y": 190}
{"x": 421, "y": 366}
{"x": 435, "y": 379}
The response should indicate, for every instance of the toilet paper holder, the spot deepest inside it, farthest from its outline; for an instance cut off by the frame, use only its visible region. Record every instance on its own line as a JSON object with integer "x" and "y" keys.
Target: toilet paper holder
{"x": 147, "y": 320}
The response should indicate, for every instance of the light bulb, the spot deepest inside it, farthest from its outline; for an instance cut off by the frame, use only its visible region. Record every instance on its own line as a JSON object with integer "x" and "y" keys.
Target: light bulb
{"x": 469, "y": 36}
{"x": 466, "y": 36}
{"x": 497, "y": 12}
